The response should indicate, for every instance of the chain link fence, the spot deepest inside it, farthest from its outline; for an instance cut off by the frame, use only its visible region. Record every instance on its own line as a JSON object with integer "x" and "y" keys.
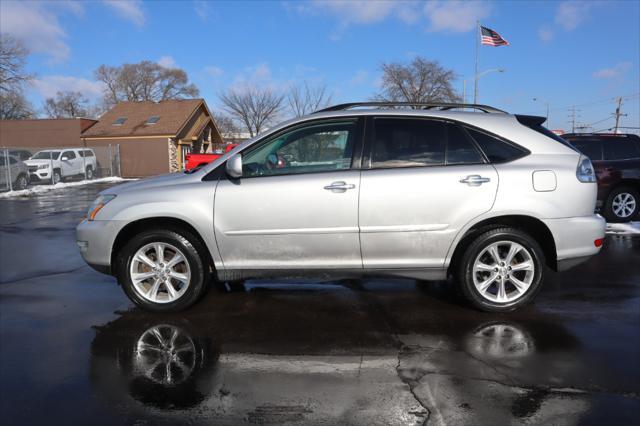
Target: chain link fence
{"x": 24, "y": 167}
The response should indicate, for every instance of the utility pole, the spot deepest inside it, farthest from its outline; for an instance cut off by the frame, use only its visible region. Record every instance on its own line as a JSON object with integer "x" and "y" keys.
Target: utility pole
{"x": 618, "y": 114}
{"x": 573, "y": 117}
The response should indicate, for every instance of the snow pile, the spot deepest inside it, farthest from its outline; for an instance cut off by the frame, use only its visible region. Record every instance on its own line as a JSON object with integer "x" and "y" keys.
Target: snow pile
{"x": 623, "y": 228}
{"x": 39, "y": 189}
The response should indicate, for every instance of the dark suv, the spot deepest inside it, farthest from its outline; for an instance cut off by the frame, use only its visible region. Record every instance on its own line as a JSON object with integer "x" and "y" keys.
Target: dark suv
{"x": 616, "y": 158}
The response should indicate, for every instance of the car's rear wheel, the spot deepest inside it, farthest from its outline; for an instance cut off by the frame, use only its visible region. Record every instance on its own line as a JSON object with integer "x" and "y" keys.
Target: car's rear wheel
{"x": 622, "y": 205}
{"x": 501, "y": 270}
{"x": 163, "y": 270}
{"x": 89, "y": 173}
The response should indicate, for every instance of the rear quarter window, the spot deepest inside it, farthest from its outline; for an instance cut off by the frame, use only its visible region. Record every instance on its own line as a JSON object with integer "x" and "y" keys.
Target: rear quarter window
{"x": 496, "y": 150}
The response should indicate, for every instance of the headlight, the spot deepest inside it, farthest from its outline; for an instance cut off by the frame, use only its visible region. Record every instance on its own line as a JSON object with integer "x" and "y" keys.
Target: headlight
{"x": 585, "y": 172}
{"x": 97, "y": 205}
{"x": 43, "y": 166}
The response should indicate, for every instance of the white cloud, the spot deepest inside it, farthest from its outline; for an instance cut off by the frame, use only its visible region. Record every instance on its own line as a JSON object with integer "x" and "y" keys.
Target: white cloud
{"x": 614, "y": 71}
{"x": 37, "y": 26}
{"x": 455, "y": 15}
{"x": 202, "y": 9}
{"x": 570, "y": 14}
{"x": 167, "y": 62}
{"x": 366, "y": 11}
{"x": 214, "y": 71}
{"x": 48, "y": 86}
{"x": 128, "y": 9}
{"x": 359, "y": 77}
{"x": 545, "y": 34}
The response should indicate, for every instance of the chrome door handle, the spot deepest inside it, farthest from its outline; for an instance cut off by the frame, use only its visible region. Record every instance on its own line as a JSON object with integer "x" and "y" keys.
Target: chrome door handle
{"x": 475, "y": 180}
{"x": 339, "y": 186}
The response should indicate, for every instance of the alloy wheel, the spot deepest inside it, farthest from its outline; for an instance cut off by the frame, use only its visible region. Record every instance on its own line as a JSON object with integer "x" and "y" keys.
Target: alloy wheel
{"x": 624, "y": 204}
{"x": 160, "y": 272}
{"x": 503, "y": 271}
{"x": 165, "y": 354}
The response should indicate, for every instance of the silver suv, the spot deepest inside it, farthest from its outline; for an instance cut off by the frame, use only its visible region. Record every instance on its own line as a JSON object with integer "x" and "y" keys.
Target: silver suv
{"x": 425, "y": 191}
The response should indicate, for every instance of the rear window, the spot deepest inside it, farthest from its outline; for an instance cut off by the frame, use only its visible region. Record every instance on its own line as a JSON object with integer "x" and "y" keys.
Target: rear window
{"x": 496, "y": 150}
{"x": 589, "y": 147}
{"x": 535, "y": 123}
{"x": 619, "y": 148}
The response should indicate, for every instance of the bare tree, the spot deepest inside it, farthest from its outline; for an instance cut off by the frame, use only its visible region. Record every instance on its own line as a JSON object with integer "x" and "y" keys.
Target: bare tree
{"x": 14, "y": 106}
{"x": 419, "y": 81}
{"x": 144, "y": 81}
{"x": 254, "y": 108}
{"x": 67, "y": 105}
{"x": 225, "y": 124}
{"x": 304, "y": 99}
{"x": 13, "y": 57}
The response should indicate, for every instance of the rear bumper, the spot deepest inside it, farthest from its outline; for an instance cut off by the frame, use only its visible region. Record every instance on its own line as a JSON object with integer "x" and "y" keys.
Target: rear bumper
{"x": 575, "y": 238}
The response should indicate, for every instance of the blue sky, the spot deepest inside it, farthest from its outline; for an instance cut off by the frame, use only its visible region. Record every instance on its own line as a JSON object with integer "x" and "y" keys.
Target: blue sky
{"x": 582, "y": 53}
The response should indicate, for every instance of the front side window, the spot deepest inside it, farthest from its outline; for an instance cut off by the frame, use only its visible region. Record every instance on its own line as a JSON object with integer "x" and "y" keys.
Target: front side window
{"x": 69, "y": 154}
{"x": 316, "y": 148}
{"x": 402, "y": 142}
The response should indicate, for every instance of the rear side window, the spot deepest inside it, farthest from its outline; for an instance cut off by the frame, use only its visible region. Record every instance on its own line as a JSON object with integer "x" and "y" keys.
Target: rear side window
{"x": 496, "y": 150}
{"x": 400, "y": 142}
{"x": 617, "y": 148}
{"x": 591, "y": 148}
{"x": 460, "y": 147}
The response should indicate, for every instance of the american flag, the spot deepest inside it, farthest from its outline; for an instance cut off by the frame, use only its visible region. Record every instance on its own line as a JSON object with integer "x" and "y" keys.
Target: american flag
{"x": 492, "y": 38}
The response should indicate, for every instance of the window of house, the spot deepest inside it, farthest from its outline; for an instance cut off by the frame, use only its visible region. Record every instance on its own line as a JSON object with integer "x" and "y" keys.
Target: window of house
{"x": 153, "y": 119}
{"x": 402, "y": 142}
{"x": 119, "y": 121}
{"x": 315, "y": 148}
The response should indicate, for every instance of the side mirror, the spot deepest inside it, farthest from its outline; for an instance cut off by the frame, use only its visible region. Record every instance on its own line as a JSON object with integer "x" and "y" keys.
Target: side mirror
{"x": 64, "y": 158}
{"x": 234, "y": 166}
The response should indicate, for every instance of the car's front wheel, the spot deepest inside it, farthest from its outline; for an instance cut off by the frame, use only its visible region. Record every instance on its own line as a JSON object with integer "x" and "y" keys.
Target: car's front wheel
{"x": 622, "y": 205}
{"x": 501, "y": 270}
{"x": 163, "y": 270}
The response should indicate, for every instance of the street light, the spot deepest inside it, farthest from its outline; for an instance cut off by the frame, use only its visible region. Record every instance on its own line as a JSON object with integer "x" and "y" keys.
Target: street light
{"x": 546, "y": 103}
{"x": 477, "y": 76}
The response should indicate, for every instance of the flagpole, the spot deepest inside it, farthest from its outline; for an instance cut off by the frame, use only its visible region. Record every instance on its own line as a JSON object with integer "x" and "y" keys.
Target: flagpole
{"x": 477, "y": 41}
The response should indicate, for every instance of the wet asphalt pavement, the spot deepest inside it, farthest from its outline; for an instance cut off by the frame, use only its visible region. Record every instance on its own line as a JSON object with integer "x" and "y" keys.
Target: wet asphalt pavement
{"x": 74, "y": 350}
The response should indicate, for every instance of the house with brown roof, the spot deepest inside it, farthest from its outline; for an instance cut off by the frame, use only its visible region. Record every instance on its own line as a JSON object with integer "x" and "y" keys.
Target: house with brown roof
{"x": 154, "y": 137}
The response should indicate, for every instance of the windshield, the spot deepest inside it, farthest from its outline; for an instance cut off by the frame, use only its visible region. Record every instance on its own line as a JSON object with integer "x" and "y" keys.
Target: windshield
{"x": 46, "y": 155}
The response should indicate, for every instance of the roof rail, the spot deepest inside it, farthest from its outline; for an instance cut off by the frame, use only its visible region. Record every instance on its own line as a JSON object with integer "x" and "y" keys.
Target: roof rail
{"x": 419, "y": 105}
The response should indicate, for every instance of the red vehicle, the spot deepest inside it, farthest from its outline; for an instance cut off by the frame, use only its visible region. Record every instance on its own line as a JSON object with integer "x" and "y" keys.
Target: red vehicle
{"x": 195, "y": 161}
{"x": 616, "y": 159}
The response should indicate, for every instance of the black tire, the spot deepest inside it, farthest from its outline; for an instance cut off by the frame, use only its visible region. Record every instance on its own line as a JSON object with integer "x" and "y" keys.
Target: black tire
{"x": 89, "y": 173}
{"x": 192, "y": 250}
{"x": 465, "y": 277}
{"x": 57, "y": 176}
{"x": 21, "y": 182}
{"x": 609, "y": 211}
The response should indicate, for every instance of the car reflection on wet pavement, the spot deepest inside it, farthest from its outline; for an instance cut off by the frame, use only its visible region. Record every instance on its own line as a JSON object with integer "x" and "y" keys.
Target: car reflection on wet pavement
{"x": 73, "y": 350}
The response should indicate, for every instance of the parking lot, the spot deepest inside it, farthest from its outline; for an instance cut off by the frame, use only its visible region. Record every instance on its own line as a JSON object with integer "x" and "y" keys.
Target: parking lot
{"x": 372, "y": 351}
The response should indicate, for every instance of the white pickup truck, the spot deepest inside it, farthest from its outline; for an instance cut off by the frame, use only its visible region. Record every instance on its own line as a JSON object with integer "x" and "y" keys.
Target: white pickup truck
{"x": 54, "y": 165}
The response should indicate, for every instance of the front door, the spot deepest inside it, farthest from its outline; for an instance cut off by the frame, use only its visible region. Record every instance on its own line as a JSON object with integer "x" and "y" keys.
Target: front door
{"x": 426, "y": 180}
{"x": 296, "y": 205}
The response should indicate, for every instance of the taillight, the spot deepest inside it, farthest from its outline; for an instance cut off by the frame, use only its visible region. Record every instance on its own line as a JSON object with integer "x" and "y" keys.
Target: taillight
{"x": 585, "y": 172}
{"x": 598, "y": 242}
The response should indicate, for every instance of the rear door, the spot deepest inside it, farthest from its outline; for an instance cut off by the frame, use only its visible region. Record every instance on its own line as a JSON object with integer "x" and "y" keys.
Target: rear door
{"x": 425, "y": 180}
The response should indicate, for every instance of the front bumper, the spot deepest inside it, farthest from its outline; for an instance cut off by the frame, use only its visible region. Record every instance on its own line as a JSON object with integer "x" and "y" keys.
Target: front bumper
{"x": 95, "y": 240}
{"x": 575, "y": 238}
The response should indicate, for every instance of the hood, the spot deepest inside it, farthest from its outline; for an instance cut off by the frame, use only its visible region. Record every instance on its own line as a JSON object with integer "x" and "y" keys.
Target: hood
{"x": 37, "y": 162}
{"x": 152, "y": 182}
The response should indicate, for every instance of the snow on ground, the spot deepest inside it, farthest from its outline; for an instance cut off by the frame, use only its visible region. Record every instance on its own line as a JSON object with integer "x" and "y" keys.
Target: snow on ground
{"x": 623, "y": 228}
{"x": 39, "y": 189}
